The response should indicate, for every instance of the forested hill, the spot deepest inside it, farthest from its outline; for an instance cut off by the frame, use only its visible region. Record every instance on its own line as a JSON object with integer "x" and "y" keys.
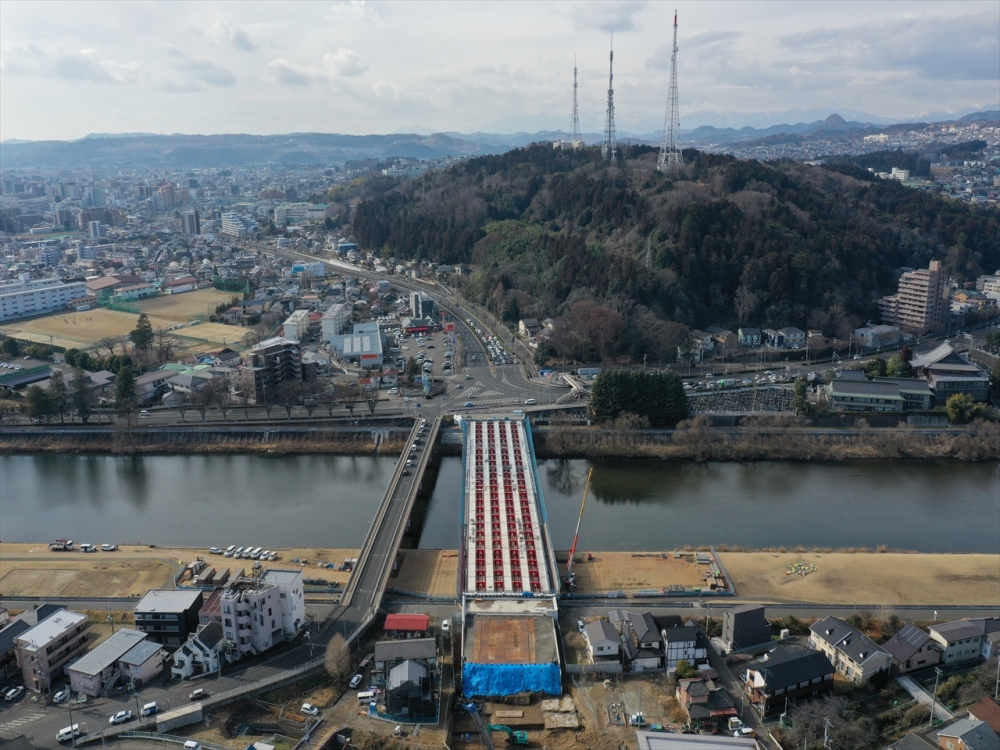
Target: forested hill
{"x": 626, "y": 258}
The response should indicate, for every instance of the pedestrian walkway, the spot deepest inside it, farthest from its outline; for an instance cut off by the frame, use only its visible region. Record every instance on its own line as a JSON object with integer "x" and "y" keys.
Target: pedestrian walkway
{"x": 21, "y": 721}
{"x": 920, "y": 695}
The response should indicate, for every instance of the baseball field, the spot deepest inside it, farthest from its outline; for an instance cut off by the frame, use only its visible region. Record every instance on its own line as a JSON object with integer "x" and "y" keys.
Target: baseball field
{"x": 81, "y": 330}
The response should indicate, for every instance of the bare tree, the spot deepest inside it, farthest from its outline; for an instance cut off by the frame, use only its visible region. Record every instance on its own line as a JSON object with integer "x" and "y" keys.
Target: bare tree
{"x": 202, "y": 399}
{"x": 109, "y": 343}
{"x": 164, "y": 344}
{"x": 350, "y": 395}
{"x": 745, "y": 302}
{"x": 244, "y": 396}
{"x": 222, "y": 395}
{"x": 337, "y": 659}
{"x": 289, "y": 394}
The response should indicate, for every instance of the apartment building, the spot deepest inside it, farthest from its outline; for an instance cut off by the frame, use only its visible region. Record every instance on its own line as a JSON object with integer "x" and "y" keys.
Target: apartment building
{"x": 268, "y": 365}
{"x": 43, "y": 650}
{"x": 168, "y": 617}
{"x": 96, "y": 670}
{"x": 335, "y": 320}
{"x": 237, "y": 225}
{"x": 296, "y": 326}
{"x": 291, "y": 596}
{"x": 920, "y": 305}
{"x": 24, "y": 296}
{"x": 252, "y": 615}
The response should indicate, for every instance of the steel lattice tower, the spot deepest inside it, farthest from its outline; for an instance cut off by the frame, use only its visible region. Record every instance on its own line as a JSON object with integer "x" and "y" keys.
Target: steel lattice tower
{"x": 574, "y": 134}
{"x": 670, "y": 160}
{"x": 609, "y": 149}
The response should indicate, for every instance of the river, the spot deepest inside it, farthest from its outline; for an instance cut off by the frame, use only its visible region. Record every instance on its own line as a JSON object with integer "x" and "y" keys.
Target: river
{"x": 329, "y": 501}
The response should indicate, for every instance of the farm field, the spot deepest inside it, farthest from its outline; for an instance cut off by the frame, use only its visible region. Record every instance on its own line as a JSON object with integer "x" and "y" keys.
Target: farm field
{"x": 81, "y": 330}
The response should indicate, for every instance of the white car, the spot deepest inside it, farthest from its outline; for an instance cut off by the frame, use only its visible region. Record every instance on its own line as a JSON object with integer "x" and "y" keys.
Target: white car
{"x": 62, "y": 695}
{"x": 121, "y": 717}
{"x": 356, "y": 680}
{"x": 309, "y": 709}
{"x": 109, "y": 547}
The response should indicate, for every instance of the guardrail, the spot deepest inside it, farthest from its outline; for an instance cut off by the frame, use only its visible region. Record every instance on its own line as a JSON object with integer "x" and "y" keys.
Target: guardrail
{"x": 169, "y": 738}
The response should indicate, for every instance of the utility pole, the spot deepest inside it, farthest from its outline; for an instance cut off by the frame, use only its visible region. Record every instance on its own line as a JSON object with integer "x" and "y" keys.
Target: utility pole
{"x": 937, "y": 676}
{"x": 827, "y": 741}
{"x": 609, "y": 149}
{"x": 669, "y": 161}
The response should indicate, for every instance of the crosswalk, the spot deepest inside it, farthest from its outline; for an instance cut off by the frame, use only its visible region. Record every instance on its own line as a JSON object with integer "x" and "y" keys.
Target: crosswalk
{"x": 21, "y": 721}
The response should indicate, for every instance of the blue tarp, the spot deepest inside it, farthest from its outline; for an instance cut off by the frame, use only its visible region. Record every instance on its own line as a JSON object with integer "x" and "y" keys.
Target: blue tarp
{"x": 508, "y": 679}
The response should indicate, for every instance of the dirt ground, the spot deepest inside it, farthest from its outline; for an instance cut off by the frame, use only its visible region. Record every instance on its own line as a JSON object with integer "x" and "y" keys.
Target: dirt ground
{"x": 430, "y": 572}
{"x": 844, "y": 578}
{"x": 83, "y": 329}
{"x": 614, "y": 571}
{"x": 35, "y": 570}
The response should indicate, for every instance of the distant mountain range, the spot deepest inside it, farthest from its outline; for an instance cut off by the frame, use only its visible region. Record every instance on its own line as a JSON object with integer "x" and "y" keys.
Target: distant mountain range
{"x": 105, "y": 150}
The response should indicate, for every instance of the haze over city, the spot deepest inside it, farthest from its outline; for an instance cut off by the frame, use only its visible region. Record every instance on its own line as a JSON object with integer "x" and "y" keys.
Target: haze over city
{"x": 359, "y": 67}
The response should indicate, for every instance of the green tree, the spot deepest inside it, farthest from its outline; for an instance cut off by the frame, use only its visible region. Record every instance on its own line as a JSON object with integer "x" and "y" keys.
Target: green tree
{"x": 412, "y": 370}
{"x": 657, "y": 396}
{"x": 10, "y": 347}
{"x": 799, "y": 400}
{"x": 83, "y": 360}
{"x": 875, "y": 367}
{"x": 962, "y": 409}
{"x": 39, "y": 404}
{"x": 82, "y": 397}
{"x": 899, "y": 367}
{"x": 126, "y": 395}
{"x": 142, "y": 334}
{"x": 59, "y": 395}
{"x": 70, "y": 356}
{"x": 684, "y": 669}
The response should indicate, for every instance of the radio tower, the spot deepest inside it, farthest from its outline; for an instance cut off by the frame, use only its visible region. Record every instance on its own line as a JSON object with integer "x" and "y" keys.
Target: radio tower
{"x": 610, "y": 147}
{"x": 670, "y": 151}
{"x": 574, "y": 135}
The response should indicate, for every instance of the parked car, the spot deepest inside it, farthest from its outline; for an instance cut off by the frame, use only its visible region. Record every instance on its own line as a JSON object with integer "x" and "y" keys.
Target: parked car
{"x": 14, "y": 693}
{"x": 356, "y": 680}
{"x": 109, "y": 547}
{"x": 144, "y": 413}
{"x": 309, "y": 709}
{"x": 580, "y": 626}
{"x": 214, "y": 551}
{"x": 445, "y": 625}
{"x": 121, "y": 717}
{"x": 198, "y": 695}
{"x": 61, "y": 696}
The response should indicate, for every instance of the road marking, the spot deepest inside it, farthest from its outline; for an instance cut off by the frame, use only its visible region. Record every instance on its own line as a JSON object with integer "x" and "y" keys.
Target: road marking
{"x": 13, "y": 724}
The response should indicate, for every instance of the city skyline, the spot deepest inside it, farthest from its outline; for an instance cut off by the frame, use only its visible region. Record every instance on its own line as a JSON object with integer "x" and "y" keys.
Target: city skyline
{"x": 362, "y": 67}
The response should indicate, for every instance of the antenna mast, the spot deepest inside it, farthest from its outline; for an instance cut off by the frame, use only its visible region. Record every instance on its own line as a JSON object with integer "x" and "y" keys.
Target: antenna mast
{"x": 670, "y": 153}
{"x": 609, "y": 149}
{"x": 574, "y": 135}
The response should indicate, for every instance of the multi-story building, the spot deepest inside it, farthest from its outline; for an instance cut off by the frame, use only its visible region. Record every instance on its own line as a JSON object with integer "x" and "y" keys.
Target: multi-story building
{"x": 785, "y": 674}
{"x": 421, "y": 305}
{"x": 873, "y": 337}
{"x": 168, "y": 617}
{"x": 43, "y": 650}
{"x": 334, "y": 320}
{"x": 291, "y": 596}
{"x": 237, "y": 225}
{"x": 921, "y": 304}
{"x": 94, "y": 671}
{"x": 26, "y": 296}
{"x": 296, "y": 325}
{"x": 948, "y": 372}
{"x": 168, "y": 195}
{"x": 989, "y": 284}
{"x": 252, "y": 616}
{"x": 268, "y": 365}
{"x": 745, "y": 626}
{"x": 962, "y": 640}
{"x": 853, "y": 654}
{"x": 190, "y": 222}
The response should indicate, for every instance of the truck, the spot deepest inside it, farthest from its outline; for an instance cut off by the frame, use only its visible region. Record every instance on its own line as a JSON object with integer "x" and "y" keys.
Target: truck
{"x": 739, "y": 729}
{"x": 61, "y": 545}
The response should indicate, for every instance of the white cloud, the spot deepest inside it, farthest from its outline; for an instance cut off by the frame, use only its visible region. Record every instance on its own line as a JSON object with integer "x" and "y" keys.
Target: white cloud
{"x": 607, "y": 16}
{"x": 345, "y": 63}
{"x": 223, "y": 32}
{"x": 288, "y": 73}
{"x": 196, "y": 73}
{"x": 355, "y": 10}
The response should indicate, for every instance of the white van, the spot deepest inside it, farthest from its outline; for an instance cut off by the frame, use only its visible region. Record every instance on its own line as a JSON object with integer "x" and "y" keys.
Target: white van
{"x": 192, "y": 745}
{"x": 366, "y": 696}
{"x": 67, "y": 733}
{"x": 149, "y": 709}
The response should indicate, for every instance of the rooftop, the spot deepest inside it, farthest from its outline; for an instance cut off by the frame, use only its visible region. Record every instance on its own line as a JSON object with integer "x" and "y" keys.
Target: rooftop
{"x": 407, "y": 622}
{"x": 110, "y": 651}
{"x": 140, "y": 652}
{"x": 414, "y": 648}
{"x": 282, "y": 577}
{"x": 661, "y": 741}
{"x": 906, "y": 642}
{"x": 164, "y": 600}
{"x": 50, "y": 628}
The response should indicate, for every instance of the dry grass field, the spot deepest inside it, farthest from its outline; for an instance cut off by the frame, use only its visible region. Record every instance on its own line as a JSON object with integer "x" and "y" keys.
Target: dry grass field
{"x": 426, "y": 571}
{"x": 871, "y": 579}
{"x": 615, "y": 571}
{"x": 83, "y": 329}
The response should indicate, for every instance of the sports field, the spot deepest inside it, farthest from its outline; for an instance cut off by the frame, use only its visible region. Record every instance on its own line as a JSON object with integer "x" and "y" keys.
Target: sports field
{"x": 81, "y": 330}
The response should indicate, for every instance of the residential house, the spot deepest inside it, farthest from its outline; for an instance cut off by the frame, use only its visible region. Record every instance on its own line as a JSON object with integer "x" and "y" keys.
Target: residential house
{"x": 911, "y": 649}
{"x": 528, "y": 327}
{"x": 168, "y": 617}
{"x": 968, "y": 734}
{"x": 874, "y": 337}
{"x": 642, "y": 642}
{"x": 962, "y": 640}
{"x": 389, "y": 654}
{"x": 602, "y": 641}
{"x": 701, "y": 342}
{"x": 409, "y": 691}
{"x": 686, "y": 642}
{"x": 786, "y": 674}
{"x": 856, "y": 656}
{"x": 144, "y": 661}
{"x": 705, "y": 701}
{"x": 773, "y": 339}
{"x": 98, "y": 669}
{"x": 44, "y": 649}
{"x": 150, "y": 385}
{"x": 211, "y": 610}
{"x": 723, "y": 339}
{"x": 203, "y": 653}
{"x": 745, "y": 626}
{"x": 407, "y": 625}
{"x": 749, "y": 337}
{"x": 795, "y": 338}
{"x": 987, "y": 710}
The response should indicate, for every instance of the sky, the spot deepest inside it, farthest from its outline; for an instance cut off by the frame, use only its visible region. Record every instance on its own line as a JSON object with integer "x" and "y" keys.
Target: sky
{"x": 72, "y": 68}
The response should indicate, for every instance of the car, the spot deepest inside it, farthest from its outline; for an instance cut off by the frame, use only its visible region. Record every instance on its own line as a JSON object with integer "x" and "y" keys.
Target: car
{"x": 309, "y": 709}
{"x": 530, "y": 402}
{"x": 393, "y": 391}
{"x": 469, "y": 404}
{"x": 467, "y": 376}
{"x": 144, "y": 413}
{"x": 109, "y": 547}
{"x": 121, "y": 717}
{"x": 580, "y": 626}
{"x": 198, "y": 695}
{"x": 430, "y": 346}
{"x": 407, "y": 399}
{"x": 445, "y": 625}
{"x": 409, "y": 463}
{"x": 62, "y": 696}
{"x": 214, "y": 551}
{"x": 14, "y": 693}
{"x": 88, "y": 547}
{"x": 406, "y": 473}
{"x": 356, "y": 680}
{"x": 459, "y": 386}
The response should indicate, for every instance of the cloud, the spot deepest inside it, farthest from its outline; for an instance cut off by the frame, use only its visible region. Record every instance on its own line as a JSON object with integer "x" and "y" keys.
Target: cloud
{"x": 197, "y": 73}
{"x": 345, "y": 63}
{"x": 607, "y": 16}
{"x": 355, "y": 10}
{"x": 288, "y": 73}
{"x": 88, "y": 65}
{"x": 223, "y": 32}
{"x": 709, "y": 42}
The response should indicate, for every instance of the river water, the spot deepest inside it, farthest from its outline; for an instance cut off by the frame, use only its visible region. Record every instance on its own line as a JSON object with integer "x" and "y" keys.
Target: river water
{"x": 329, "y": 501}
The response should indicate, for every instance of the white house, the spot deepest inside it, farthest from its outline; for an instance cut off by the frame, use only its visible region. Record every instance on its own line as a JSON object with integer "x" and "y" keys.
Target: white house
{"x": 602, "y": 640}
{"x": 965, "y": 640}
{"x": 291, "y": 598}
{"x": 683, "y": 643}
{"x": 202, "y": 653}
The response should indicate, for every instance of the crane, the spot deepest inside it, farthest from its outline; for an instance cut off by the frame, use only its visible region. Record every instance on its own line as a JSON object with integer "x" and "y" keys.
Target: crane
{"x": 570, "y": 576}
{"x": 514, "y": 736}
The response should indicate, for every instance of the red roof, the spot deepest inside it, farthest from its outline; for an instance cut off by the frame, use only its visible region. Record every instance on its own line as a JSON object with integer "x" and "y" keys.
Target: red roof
{"x": 407, "y": 622}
